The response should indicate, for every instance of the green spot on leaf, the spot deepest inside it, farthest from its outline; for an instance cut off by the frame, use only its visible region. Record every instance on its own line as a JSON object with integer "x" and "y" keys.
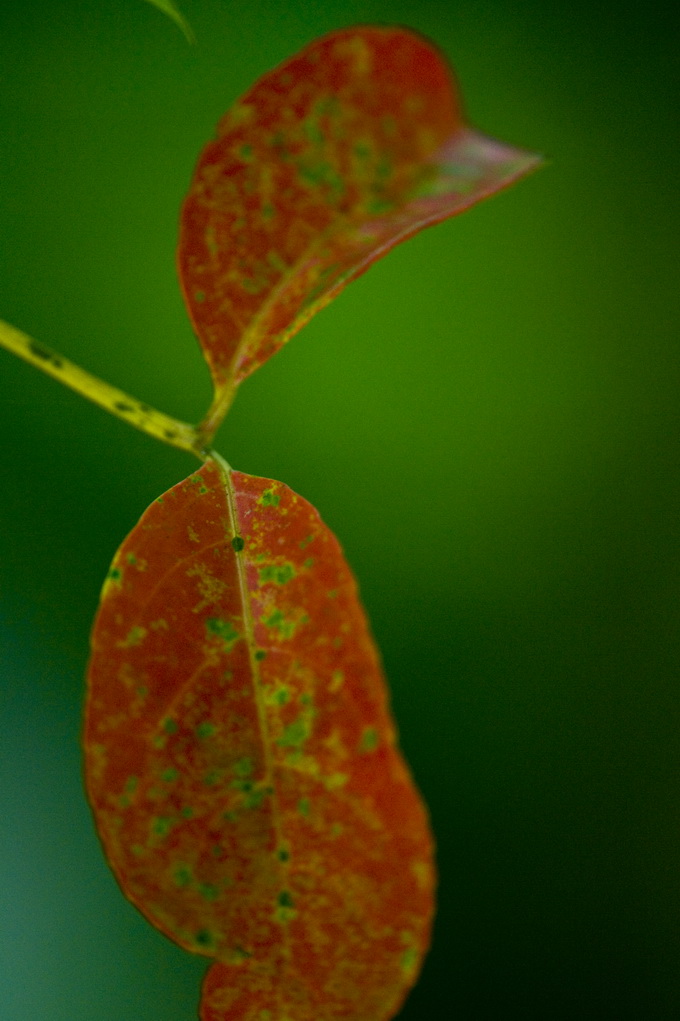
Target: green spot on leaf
{"x": 128, "y": 790}
{"x": 182, "y": 875}
{"x": 244, "y": 767}
{"x": 255, "y": 797}
{"x": 223, "y": 629}
{"x": 337, "y": 680}
{"x": 409, "y": 959}
{"x": 369, "y": 740}
{"x": 161, "y": 826}
{"x": 135, "y": 636}
{"x": 295, "y": 733}
{"x": 237, "y": 956}
{"x": 241, "y": 785}
{"x": 278, "y": 695}
{"x": 335, "y": 780}
{"x": 285, "y": 628}
{"x": 269, "y": 498}
{"x": 285, "y": 907}
{"x": 278, "y": 573}
{"x": 276, "y": 262}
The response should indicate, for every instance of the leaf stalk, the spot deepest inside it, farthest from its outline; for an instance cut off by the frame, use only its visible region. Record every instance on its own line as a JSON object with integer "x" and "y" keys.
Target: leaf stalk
{"x": 213, "y": 418}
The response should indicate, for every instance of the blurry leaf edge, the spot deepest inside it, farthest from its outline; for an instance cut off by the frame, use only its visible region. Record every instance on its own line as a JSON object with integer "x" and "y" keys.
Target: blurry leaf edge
{"x": 170, "y": 9}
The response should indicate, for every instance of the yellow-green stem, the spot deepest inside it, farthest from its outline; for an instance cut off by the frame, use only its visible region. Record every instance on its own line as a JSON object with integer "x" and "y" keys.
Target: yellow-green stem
{"x": 208, "y": 426}
{"x": 129, "y": 409}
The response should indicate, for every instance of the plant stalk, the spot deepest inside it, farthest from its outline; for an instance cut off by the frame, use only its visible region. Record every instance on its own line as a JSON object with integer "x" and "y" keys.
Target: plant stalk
{"x": 148, "y": 420}
{"x": 212, "y": 420}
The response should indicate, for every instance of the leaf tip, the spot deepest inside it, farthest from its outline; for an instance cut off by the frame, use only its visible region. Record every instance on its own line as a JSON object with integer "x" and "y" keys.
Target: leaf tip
{"x": 169, "y": 8}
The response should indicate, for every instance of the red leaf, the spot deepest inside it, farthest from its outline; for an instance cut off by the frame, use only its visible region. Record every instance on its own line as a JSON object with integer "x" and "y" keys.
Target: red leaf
{"x": 349, "y": 147}
{"x": 241, "y": 759}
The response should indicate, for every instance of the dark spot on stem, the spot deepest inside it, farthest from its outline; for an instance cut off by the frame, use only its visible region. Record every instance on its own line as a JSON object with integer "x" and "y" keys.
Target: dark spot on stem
{"x": 45, "y": 354}
{"x": 237, "y": 543}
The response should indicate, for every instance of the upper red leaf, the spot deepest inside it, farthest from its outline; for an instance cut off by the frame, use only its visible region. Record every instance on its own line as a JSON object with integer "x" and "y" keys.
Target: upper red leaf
{"x": 242, "y": 763}
{"x": 352, "y": 145}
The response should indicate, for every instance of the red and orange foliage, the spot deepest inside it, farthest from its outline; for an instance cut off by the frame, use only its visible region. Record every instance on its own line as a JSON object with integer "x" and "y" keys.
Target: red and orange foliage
{"x": 346, "y": 149}
{"x": 241, "y": 760}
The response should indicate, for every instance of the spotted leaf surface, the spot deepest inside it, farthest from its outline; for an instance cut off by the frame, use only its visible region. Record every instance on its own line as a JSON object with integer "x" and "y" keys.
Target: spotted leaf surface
{"x": 242, "y": 763}
{"x": 349, "y": 147}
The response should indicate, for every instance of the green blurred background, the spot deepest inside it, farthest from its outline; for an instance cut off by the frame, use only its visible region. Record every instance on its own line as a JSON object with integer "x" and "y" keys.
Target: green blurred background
{"x": 489, "y": 421}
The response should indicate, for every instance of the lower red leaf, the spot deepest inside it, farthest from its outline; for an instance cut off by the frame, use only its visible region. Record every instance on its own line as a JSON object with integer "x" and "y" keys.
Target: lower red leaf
{"x": 242, "y": 763}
